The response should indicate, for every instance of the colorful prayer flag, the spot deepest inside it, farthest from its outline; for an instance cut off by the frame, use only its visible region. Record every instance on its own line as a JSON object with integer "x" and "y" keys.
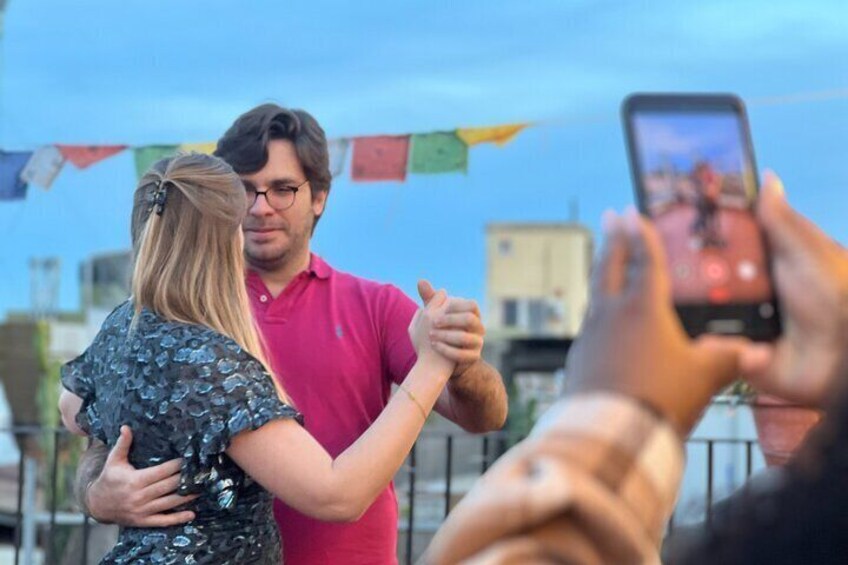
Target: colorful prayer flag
{"x": 12, "y": 187}
{"x": 380, "y": 157}
{"x": 338, "y": 154}
{"x": 206, "y": 148}
{"x": 84, "y": 155}
{"x": 438, "y": 152}
{"x": 146, "y": 156}
{"x": 500, "y": 135}
{"x": 43, "y": 166}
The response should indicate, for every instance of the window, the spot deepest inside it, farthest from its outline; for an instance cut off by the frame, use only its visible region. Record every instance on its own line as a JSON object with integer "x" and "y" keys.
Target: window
{"x": 510, "y": 313}
{"x": 505, "y": 247}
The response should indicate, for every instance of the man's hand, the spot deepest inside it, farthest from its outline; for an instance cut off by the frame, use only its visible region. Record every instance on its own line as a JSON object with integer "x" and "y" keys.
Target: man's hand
{"x": 136, "y": 498}
{"x": 809, "y": 361}
{"x": 633, "y": 343}
{"x": 458, "y": 333}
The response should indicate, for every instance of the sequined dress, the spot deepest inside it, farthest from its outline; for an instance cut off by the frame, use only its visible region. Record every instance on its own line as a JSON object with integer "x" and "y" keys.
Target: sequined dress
{"x": 185, "y": 391}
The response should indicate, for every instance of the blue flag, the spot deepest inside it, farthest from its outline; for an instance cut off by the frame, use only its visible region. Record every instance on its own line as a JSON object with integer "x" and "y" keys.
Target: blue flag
{"x": 11, "y": 165}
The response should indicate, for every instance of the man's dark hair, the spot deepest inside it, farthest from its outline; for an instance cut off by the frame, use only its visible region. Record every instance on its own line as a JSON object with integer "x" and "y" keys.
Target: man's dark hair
{"x": 245, "y": 145}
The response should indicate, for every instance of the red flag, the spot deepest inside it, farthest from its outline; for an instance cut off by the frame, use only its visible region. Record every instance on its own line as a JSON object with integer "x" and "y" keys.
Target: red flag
{"x": 84, "y": 155}
{"x": 381, "y": 157}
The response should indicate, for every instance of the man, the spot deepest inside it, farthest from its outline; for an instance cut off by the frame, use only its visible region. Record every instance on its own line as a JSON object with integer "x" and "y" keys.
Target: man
{"x": 337, "y": 341}
{"x": 598, "y": 477}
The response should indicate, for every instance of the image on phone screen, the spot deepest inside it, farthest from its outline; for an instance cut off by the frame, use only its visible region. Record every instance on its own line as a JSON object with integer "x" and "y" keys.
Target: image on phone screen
{"x": 699, "y": 187}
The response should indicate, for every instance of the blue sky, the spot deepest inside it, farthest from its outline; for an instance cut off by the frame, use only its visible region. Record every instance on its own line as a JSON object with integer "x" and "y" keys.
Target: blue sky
{"x": 143, "y": 72}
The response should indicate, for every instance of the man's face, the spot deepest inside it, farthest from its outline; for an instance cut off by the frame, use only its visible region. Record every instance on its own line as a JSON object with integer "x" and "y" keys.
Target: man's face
{"x": 272, "y": 237}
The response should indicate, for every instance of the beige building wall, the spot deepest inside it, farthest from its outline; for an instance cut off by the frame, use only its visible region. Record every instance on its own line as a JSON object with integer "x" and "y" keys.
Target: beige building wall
{"x": 537, "y": 279}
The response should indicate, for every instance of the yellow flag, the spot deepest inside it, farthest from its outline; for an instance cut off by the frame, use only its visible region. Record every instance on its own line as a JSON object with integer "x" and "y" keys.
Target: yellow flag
{"x": 500, "y": 135}
{"x": 207, "y": 148}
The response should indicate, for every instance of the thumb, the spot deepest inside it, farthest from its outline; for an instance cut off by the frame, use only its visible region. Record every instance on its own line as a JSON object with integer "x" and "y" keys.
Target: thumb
{"x": 758, "y": 365}
{"x": 425, "y": 291}
{"x": 121, "y": 451}
{"x": 437, "y": 301}
{"x": 789, "y": 233}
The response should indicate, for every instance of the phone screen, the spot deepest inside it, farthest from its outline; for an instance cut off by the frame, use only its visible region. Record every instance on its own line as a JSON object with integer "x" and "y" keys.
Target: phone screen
{"x": 697, "y": 182}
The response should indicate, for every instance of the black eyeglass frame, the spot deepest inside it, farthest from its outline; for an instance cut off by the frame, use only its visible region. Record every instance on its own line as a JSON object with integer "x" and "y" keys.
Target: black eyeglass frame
{"x": 256, "y": 193}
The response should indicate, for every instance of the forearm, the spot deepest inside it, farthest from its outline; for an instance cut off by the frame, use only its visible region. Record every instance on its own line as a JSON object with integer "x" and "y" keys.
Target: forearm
{"x": 285, "y": 459}
{"x": 364, "y": 469}
{"x": 88, "y": 469}
{"x": 599, "y": 474}
{"x": 476, "y": 399}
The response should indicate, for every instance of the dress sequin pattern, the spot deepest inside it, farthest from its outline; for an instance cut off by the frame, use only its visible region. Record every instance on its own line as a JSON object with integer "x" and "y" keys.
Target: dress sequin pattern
{"x": 185, "y": 391}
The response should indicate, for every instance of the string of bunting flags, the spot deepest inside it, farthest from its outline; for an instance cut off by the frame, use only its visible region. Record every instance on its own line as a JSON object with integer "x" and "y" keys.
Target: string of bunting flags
{"x": 374, "y": 158}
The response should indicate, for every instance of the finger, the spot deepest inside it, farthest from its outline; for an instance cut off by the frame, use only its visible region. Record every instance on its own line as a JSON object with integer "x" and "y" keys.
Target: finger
{"x": 425, "y": 291}
{"x": 646, "y": 265}
{"x": 609, "y": 270}
{"x": 455, "y": 354}
{"x": 457, "y": 338}
{"x": 720, "y": 356}
{"x": 121, "y": 451}
{"x": 165, "y": 520}
{"x": 757, "y": 364}
{"x": 465, "y": 321}
{"x": 168, "y": 485}
{"x": 788, "y": 232}
{"x": 166, "y": 503}
{"x": 152, "y": 475}
{"x": 437, "y": 304}
{"x": 456, "y": 305}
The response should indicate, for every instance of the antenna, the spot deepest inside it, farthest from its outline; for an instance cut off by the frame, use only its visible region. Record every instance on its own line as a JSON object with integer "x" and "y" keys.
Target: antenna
{"x": 45, "y": 275}
{"x": 574, "y": 210}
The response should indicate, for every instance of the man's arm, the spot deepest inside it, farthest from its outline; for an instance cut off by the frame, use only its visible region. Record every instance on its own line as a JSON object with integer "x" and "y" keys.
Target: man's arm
{"x": 475, "y": 397}
{"x": 111, "y": 490}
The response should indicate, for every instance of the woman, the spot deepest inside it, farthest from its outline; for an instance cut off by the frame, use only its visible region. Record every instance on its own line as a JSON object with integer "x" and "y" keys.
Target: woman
{"x": 181, "y": 364}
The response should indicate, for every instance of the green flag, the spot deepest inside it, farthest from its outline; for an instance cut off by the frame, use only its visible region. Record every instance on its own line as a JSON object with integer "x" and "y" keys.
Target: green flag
{"x": 146, "y": 156}
{"x": 439, "y": 152}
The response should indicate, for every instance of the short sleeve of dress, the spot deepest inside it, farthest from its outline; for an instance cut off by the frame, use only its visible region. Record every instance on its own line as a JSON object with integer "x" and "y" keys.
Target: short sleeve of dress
{"x": 213, "y": 403}
{"x": 77, "y": 376}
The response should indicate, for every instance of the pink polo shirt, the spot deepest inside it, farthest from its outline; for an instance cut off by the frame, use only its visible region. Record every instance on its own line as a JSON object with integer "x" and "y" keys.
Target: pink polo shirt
{"x": 337, "y": 342}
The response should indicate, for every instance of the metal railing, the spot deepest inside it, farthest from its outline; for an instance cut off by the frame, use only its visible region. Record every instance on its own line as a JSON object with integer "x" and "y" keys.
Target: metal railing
{"x": 439, "y": 470}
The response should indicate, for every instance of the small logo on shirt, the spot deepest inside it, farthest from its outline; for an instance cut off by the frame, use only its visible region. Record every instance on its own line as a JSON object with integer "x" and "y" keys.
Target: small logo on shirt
{"x": 339, "y": 332}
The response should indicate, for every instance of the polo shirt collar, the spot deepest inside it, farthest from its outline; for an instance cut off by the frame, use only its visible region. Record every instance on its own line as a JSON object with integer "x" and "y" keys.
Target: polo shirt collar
{"x": 318, "y": 267}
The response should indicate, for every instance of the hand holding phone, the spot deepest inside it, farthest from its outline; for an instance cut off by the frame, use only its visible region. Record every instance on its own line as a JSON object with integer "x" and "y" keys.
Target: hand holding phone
{"x": 693, "y": 170}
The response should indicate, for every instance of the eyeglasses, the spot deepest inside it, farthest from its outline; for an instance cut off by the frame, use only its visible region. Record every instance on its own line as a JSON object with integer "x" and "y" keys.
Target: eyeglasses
{"x": 278, "y": 197}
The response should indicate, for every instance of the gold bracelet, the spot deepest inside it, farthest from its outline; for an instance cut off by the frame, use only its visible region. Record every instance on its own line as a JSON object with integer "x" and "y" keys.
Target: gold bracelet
{"x": 415, "y": 400}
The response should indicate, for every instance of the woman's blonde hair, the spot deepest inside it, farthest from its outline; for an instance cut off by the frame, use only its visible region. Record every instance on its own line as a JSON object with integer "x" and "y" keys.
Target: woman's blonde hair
{"x": 188, "y": 245}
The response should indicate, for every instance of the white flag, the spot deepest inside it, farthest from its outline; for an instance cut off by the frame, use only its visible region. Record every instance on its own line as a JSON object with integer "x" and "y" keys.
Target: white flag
{"x": 43, "y": 167}
{"x": 338, "y": 154}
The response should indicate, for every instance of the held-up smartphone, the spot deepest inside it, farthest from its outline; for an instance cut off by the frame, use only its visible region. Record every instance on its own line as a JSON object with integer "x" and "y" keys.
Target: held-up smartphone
{"x": 693, "y": 170}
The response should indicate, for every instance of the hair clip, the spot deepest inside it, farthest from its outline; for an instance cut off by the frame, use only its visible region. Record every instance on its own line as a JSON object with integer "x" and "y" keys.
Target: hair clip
{"x": 159, "y": 196}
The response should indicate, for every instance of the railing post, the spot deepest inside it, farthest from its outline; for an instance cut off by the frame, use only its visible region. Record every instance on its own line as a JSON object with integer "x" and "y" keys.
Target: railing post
{"x": 448, "y": 473}
{"x": 29, "y": 524}
{"x": 709, "y": 510}
{"x": 86, "y": 530}
{"x": 19, "y": 517}
{"x": 54, "y": 476}
{"x": 410, "y": 523}
{"x": 485, "y": 464}
{"x": 748, "y": 458}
